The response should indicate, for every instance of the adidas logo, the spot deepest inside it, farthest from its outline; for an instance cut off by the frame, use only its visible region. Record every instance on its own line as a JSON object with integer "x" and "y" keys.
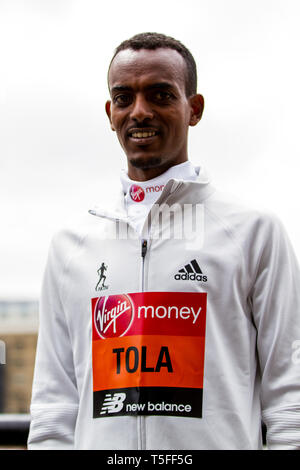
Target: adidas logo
{"x": 190, "y": 272}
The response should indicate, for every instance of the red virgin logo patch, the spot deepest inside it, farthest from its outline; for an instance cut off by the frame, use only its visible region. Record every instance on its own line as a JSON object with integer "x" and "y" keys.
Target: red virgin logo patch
{"x": 113, "y": 315}
{"x": 137, "y": 193}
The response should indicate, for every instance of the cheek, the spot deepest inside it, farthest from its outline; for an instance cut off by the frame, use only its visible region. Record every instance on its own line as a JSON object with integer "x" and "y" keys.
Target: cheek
{"x": 178, "y": 120}
{"x": 117, "y": 120}
{"x": 179, "y": 127}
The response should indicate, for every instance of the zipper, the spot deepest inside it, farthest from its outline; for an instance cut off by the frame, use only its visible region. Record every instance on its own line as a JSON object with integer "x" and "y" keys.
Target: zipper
{"x": 144, "y": 251}
{"x": 144, "y": 248}
{"x": 141, "y": 419}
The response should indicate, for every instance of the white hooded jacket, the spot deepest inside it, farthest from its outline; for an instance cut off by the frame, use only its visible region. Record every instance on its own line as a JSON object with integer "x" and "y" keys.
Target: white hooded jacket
{"x": 162, "y": 342}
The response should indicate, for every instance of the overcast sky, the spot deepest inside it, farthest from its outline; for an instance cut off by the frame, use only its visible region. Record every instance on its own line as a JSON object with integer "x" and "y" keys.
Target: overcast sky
{"x": 57, "y": 152}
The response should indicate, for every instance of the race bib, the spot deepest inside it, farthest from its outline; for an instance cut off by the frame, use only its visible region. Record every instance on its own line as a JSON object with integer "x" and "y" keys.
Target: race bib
{"x": 148, "y": 354}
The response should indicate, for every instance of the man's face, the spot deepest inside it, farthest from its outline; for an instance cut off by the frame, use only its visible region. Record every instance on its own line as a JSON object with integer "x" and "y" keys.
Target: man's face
{"x": 149, "y": 109}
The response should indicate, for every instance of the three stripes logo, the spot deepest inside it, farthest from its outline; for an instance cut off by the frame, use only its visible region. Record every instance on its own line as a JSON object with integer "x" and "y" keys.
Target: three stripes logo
{"x": 190, "y": 272}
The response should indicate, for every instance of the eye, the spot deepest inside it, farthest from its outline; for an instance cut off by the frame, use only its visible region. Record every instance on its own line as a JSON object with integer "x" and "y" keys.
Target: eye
{"x": 163, "y": 96}
{"x": 122, "y": 100}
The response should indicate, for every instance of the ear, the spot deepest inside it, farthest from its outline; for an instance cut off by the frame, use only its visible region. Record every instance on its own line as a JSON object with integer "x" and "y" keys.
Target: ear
{"x": 197, "y": 106}
{"x": 108, "y": 112}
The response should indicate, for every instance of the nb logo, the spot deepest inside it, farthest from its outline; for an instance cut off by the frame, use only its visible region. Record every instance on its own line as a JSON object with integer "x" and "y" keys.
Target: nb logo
{"x": 113, "y": 403}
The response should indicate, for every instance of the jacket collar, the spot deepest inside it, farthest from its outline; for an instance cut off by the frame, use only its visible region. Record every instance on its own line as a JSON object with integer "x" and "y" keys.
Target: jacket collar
{"x": 186, "y": 192}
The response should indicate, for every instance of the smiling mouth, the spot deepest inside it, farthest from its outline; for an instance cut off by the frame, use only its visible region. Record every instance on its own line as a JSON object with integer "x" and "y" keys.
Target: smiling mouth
{"x": 143, "y": 135}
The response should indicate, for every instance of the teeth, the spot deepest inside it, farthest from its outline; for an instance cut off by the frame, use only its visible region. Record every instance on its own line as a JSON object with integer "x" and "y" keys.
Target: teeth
{"x": 141, "y": 135}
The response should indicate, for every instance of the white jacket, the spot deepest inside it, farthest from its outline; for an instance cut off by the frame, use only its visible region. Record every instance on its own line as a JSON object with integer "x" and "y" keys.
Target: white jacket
{"x": 194, "y": 363}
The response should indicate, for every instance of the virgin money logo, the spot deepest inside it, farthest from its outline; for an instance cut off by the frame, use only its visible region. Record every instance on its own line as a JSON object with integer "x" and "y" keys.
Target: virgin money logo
{"x": 137, "y": 193}
{"x": 113, "y": 315}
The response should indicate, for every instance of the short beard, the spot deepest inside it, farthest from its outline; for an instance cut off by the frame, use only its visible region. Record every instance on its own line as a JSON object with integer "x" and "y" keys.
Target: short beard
{"x": 146, "y": 163}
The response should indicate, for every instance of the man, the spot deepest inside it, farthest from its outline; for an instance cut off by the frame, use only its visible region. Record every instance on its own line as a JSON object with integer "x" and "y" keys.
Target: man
{"x": 102, "y": 277}
{"x": 195, "y": 344}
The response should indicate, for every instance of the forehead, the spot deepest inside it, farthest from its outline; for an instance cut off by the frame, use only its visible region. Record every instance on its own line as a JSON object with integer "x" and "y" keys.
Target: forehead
{"x": 134, "y": 68}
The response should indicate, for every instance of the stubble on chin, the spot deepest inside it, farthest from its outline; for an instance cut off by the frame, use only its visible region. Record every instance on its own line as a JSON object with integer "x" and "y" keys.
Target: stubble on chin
{"x": 145, "y": 163}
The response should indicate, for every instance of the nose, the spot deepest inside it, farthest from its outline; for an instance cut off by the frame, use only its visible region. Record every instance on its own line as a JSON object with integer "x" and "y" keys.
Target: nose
{"x": 141, "y": 109}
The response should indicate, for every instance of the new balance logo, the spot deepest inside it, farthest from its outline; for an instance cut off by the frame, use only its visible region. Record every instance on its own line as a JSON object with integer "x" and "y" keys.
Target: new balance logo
{"x": 190, "y": 272}
{"x": 113, "y": 403}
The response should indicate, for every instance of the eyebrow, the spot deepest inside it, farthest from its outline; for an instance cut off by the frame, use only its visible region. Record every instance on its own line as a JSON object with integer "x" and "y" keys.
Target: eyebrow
{"x": 153, "y": 86}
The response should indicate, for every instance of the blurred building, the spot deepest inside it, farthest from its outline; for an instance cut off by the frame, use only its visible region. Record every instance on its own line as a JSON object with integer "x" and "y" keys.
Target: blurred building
{"x": 18, "y": 330}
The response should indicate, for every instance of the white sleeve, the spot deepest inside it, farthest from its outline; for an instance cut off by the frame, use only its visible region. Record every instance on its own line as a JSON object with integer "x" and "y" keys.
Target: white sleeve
{"x": 54, "y": 402}
{"x": 276, "y": 313}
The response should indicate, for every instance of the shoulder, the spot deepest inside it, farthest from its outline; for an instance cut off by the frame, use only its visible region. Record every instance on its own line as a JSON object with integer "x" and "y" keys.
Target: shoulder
{"x": 69, "y": 237}
{"x": 237, "y": 211}
{"x": 250, "y": 226}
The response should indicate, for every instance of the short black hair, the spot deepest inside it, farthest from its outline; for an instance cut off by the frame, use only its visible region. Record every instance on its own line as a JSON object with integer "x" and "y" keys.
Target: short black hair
{"x": 153, "y": 41}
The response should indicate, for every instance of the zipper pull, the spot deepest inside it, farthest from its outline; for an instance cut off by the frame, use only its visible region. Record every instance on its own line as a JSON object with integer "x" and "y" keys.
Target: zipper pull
{"x": 144, "y": 248}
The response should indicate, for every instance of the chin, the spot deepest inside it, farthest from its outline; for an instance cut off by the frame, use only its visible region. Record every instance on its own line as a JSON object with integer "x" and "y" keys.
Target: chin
{"x": 145, "y": 163}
